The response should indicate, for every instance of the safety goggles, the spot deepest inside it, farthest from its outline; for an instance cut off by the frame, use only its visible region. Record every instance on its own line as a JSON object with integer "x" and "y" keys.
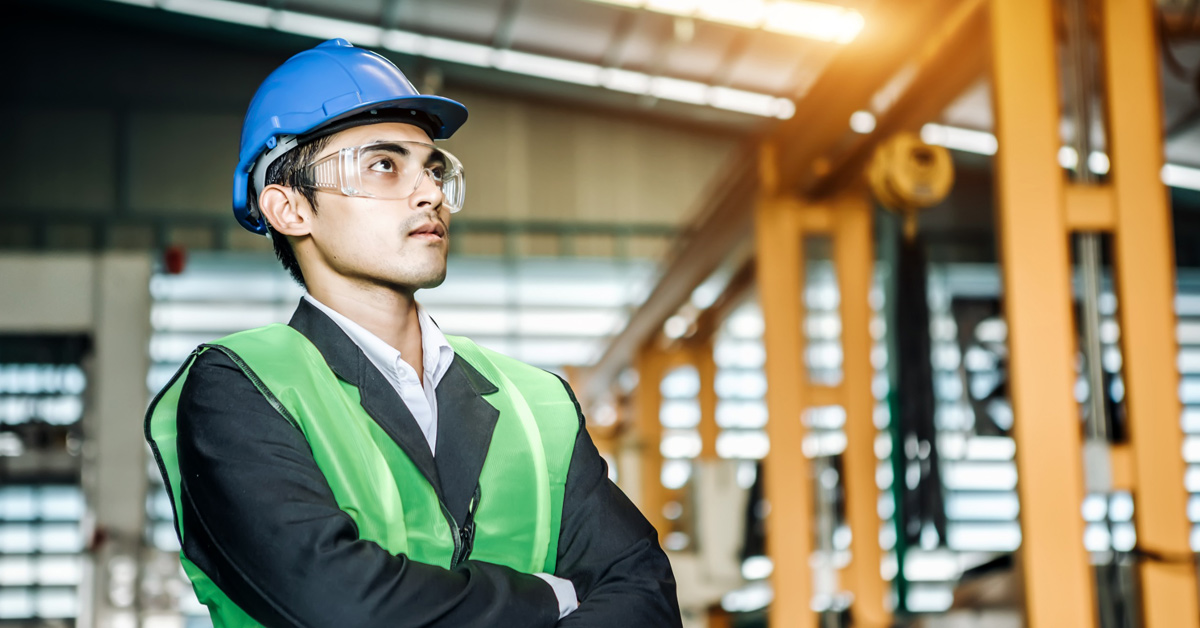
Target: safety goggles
{"x": 390, "y": 170}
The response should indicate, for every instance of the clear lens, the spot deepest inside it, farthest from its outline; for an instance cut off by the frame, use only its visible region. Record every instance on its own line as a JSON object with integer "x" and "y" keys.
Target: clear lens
{"x": 391, "y": 170}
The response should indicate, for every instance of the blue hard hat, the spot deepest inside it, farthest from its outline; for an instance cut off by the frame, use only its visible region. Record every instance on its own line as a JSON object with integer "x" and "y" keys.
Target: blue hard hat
{"x": 317, "y": 87}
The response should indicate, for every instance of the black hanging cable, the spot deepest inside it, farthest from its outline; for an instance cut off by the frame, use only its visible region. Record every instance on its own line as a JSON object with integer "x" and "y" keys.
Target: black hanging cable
{"x": 923, "y": 504}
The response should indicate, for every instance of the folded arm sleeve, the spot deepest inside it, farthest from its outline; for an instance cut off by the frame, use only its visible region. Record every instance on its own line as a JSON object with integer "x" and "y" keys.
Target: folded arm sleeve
{"x": 260, "y": 520}
{"x": 609, "y": 551}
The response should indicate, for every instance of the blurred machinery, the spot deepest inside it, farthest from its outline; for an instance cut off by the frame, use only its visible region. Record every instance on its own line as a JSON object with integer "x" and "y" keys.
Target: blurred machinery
{"x": 907, "y": 175}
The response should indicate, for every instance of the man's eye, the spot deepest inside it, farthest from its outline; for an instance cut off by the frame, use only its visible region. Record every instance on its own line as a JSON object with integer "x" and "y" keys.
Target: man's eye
{"x": 383, "y": 165}
{"x": 438, "y": 172}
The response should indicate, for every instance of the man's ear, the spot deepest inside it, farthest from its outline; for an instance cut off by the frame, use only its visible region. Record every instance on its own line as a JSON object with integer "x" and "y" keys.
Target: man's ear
{"x": 286, "y": 210}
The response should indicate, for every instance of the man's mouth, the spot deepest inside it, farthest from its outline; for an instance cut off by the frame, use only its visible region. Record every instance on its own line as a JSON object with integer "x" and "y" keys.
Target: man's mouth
{"x": 430, "y": 231}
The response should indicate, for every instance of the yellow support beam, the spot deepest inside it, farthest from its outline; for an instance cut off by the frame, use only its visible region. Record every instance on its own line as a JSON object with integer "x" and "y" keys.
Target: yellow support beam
{"x": 1090, "y": 208}
{"x": 651, "y": 366}
{"x": 1037, "y": 295}
{"x": 787, "y": 477}
{"x": 1145, "y": 281}
{"x": 854, "y": 258}
{"x": 706, "y": 368}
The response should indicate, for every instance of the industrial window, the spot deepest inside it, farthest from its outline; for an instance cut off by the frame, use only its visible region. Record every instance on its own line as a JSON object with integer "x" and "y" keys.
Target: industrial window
{"x": 42, "y": 388}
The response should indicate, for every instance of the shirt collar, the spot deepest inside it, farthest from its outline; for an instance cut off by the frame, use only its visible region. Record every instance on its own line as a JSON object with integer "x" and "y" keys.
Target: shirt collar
{"x": 437, "y": 352}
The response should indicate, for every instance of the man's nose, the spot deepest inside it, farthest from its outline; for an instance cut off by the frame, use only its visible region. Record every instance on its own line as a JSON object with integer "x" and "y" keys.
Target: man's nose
{"x": 427, "y": 193}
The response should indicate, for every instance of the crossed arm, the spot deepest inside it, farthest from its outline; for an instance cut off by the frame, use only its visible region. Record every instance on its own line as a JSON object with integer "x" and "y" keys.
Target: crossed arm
{"x": 262, "y": 522}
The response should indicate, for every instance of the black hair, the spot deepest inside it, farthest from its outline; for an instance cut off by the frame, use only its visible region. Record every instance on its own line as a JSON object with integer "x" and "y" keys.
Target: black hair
{"x": 289, "y": 170}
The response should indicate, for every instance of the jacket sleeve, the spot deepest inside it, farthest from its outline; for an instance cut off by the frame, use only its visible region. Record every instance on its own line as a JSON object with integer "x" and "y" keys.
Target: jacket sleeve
{"x": 260, "y": 520}
{"x": 609, "y": 551}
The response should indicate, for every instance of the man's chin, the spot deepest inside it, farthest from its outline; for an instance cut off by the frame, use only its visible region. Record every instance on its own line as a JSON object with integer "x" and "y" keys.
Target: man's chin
{"x": 433, "y": 282}
{"x": 425, "y": 280}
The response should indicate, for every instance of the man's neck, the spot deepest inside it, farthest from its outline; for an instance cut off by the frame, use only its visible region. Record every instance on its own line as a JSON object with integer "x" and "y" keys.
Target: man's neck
{"x": 390, "y": 315}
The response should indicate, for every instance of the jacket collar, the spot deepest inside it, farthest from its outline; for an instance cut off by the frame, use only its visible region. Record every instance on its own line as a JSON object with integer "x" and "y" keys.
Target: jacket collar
{"x": 465, "y": 419}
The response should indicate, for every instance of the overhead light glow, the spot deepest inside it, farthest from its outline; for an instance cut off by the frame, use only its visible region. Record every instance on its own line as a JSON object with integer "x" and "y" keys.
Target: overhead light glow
{"x": 1068, "y": 157}
{"x": 757, "y": 567}
{"x": 1097, "y": 162}
{"x": 625, "y": 81}
{"x": 548, "y": 67}
{"x": 862, "y": 122}
{"x": 405, "y": 42}
{"x": 679, "y": 90}
{"x": 675, "y": 327}
{"x": 745, "y": 102}
{"x": 1181, "y": 176}
{"x": 747, "y": 13}
{"x": 223, "y": 10}
{"x": 409, "y": 43}
{"x": 459, "y": 52}
{"x": 674, "y": 7}
{"x": 319, "y": 27}
{"x": 814, "y": 20}
{"x": 967, "y": 140}
{"x": 801, "y": 18}
{"x": 749, "y": 598}
{"x": 984, "y": 143}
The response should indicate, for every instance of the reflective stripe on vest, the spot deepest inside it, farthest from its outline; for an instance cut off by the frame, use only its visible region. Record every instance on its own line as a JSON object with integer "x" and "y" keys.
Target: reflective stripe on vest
{"x": 521, "y": 485}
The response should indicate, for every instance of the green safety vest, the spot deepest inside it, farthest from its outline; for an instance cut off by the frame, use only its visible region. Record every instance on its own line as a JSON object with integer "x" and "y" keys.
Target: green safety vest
{"x": 518, "y": 509}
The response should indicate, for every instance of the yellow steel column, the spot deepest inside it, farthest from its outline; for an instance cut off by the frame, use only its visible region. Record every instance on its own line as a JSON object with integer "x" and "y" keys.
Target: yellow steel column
{"x": 787, "y": 481}
{"x": 1145, "y": 283}
{"x": 651, "y": 366}
{"x": 854, "y": 259}
{"x": 706, "y": 368}
{"x": 1037, "y": 296}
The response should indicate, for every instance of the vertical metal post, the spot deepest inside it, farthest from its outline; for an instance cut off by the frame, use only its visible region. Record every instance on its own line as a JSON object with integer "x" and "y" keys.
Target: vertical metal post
{"x": 787, "y": 481}
{"x": 1037, "y": 289}
{"x": 1082, "y": 85}
{"x": 854, "y": 259}
{"x": 1145, "y": 281}
{"x": 651, "y": 365}
{"x": 706, "y": 368}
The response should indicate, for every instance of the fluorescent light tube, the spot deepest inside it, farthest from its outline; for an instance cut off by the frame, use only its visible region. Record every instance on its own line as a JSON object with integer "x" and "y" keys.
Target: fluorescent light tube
{"x": 459, "y": 52}
{"x": 680, "y": 90}
{"x": 328, "y": 28}
{"x": 548, "y": 67}
{"x": 223, "y": 10}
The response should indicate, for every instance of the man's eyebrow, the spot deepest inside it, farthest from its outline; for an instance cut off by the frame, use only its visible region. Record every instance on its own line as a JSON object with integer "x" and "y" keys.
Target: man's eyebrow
{"x": 392, "y": 146}
{"x": 436, "y": 157}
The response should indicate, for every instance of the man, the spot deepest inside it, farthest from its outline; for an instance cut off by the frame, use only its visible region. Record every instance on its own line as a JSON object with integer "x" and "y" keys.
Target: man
{"x": 357, "y": 467}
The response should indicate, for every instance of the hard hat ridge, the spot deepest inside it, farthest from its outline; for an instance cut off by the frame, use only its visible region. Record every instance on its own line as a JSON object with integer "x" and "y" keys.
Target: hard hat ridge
{"x": 317, "y": 88}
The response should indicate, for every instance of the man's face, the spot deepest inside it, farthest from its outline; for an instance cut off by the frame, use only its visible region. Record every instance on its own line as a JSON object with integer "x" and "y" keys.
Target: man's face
{"x": 395, "y": 243}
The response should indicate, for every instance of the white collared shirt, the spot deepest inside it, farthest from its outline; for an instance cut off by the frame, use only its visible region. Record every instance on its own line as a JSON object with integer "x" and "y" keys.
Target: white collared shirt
{"x": 418, "y": 394}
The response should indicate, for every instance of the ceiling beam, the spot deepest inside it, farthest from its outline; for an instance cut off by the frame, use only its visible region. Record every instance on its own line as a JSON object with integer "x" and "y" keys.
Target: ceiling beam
{"x": 895, "y": 34}
{"x": 949, "y": 64}
{"x": 740, "y": 287}
{"x": 502, "y": 39}
{"x": 619, "y": 41}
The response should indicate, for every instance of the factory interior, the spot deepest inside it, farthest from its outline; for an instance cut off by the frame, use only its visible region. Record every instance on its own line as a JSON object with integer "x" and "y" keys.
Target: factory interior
{"x": 884, "y": 314}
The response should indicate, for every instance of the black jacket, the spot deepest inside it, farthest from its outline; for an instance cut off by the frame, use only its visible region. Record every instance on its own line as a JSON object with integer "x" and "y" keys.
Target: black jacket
{"x": 260, "y": 519}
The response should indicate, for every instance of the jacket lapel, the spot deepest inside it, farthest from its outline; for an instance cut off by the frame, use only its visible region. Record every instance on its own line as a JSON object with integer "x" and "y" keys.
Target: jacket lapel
{"x": 377, "y": 396}
{"x": 465, "y": 425}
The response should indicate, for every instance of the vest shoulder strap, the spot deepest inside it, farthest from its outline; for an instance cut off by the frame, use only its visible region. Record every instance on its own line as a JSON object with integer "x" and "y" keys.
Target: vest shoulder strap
{"x": 548, "y": 410}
